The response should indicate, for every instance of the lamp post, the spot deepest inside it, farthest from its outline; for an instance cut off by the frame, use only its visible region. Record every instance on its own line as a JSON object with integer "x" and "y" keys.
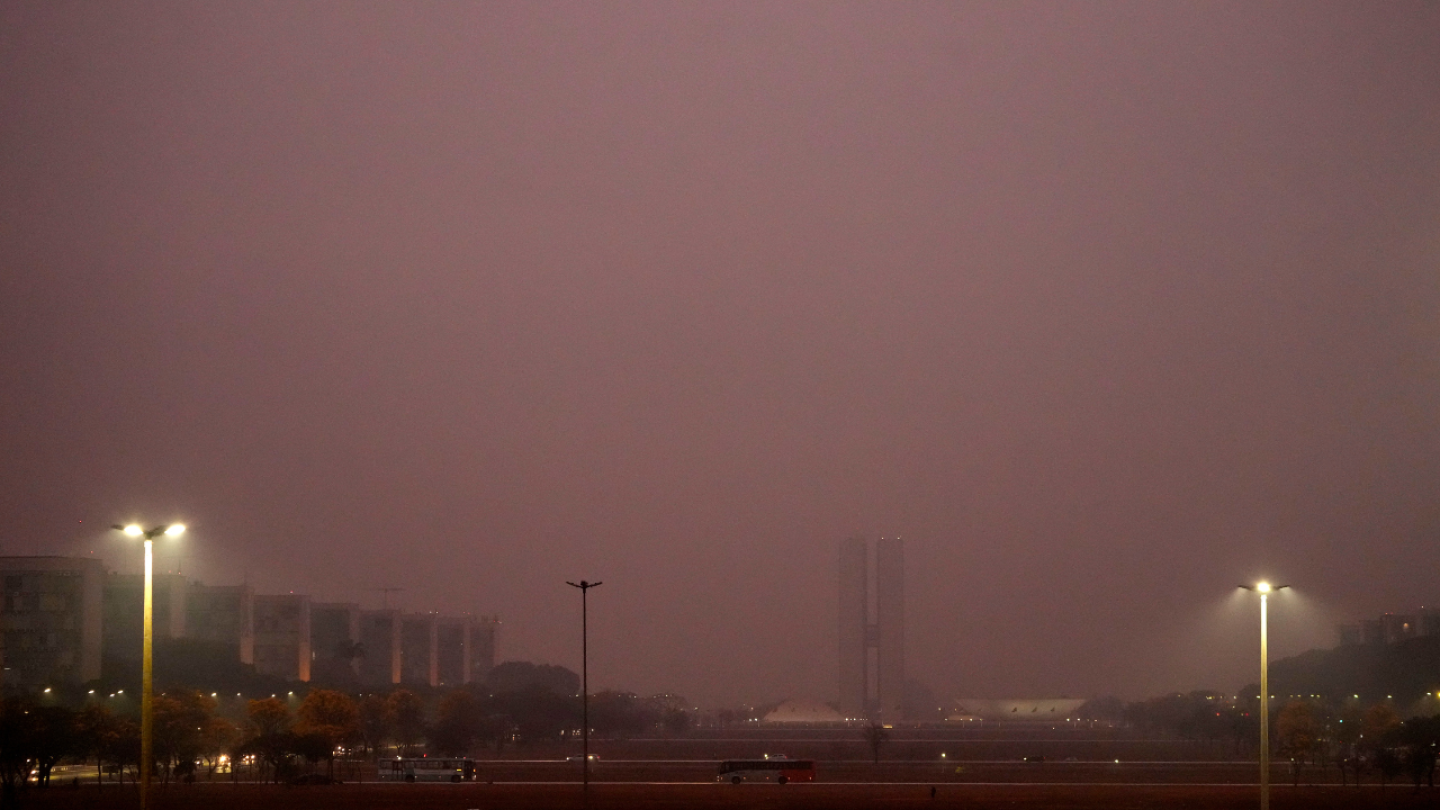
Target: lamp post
{"x": 584, "y": 682}
{"x": 1264, "y": 589}
{"x": 147, "y": 682}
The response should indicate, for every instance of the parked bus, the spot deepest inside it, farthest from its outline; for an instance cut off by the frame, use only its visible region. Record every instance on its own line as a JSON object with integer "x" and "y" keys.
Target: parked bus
{"x": 770, "y": 769}
{"x": 427, "y": 769}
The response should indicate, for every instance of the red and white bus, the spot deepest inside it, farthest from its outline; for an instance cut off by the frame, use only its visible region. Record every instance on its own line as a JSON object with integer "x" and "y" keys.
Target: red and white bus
{"x": 770, "y": 769}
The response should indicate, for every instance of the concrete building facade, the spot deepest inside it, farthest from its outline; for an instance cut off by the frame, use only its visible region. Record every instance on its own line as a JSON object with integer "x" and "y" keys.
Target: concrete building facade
{"x": 66, "y": 620}
{"x": 124, "y": 612}
{"x": 51, "y": 620}
{"x": 282, "y": 636}
{"x": 335, "y": 641}
{"x": 419, "y": 648}
{"x": 224, "y": 614}
{"x": 380, "y": 638}
{"x": 483, "y": 630}
{"x": 453, "y": 649}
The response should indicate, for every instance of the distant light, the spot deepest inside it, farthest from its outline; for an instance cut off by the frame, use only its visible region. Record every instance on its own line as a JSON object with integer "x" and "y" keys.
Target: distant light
{"x": 133, "y": 530}
{"x": 1263, "y": 587}
{"x": 47, "y": 690}
{"x": 92, "y": 691}
{"x": 176, "y": 530}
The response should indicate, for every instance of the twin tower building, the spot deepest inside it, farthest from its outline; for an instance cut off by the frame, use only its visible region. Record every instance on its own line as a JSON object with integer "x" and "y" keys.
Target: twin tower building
{"x": 872, "y": 630}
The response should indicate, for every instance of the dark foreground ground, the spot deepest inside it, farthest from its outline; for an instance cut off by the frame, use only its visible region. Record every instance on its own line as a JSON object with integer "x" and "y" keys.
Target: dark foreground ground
{"x": 614, "y": 796}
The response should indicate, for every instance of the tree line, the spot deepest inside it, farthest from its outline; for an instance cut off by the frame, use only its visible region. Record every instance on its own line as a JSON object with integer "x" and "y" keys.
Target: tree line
{"x": 275, "y": 738}
{"x": 1358, "y": 740}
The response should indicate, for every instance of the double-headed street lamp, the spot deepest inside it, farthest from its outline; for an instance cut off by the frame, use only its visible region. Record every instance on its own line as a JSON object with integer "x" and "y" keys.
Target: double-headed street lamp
{"x": 1264, "y": 589}
{"x": 147, "y": 683}
{"x": 585, "y": 681}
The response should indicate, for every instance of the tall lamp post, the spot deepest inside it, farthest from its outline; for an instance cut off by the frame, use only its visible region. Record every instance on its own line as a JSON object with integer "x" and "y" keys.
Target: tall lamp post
{"x": 585, "y": 681}
{"x": 1264, "y": 589}
{"x": 147, "y": 681}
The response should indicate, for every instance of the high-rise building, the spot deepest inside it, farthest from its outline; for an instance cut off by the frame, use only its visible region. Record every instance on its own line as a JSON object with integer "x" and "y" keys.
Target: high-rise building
{"x": 380, "y": 640}
{"x": 124, "y": 613}
{"x": 50, "y": 620}
{"x": 224, "y": 614}
{"x": 335, "y": 641}
{"x": 482, "y": 647}
{"x": 872, "y": 653}
{"x": 282, "y": 636}
{"x": 419, "y": 663}
{"x": 854, "y": 628}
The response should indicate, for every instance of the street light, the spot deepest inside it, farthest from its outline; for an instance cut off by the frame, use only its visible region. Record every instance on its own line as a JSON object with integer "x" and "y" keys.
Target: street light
{"x": 147, "y": 682}
{"x": 1264, "y": 589}
{"x": 585, "y": 682}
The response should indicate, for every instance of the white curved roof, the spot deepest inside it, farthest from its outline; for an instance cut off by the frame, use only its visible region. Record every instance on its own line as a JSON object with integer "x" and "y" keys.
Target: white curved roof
{"x": 803, "y": 711}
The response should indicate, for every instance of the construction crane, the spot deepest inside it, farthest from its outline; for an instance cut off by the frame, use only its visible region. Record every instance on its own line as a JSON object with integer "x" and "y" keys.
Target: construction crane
{"x": 387, "y": 592}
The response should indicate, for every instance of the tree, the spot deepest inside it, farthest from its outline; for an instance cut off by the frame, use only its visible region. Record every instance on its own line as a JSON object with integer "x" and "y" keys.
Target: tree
{"x": 268, "y": 716}
{"x": 405, "y": 712}
{"x": 1348, "y": 728}
{"x": 180, "y": 718}
{"x": 98, "y": 728}
{"x": 270, "y": 740}
{"x": 461, "y": 719}
{"x": 331, "y": 716}
{"x": 1298, "y": 735}
{"x": 1377, "y": 738}
{"x": 676, "y": 721}
{"x": 1109, "y": 709}
{"x": 54, "y": 736}
{"x": 374, "y": 722}
{"x": 1421, "y": 738}
{"x": 518, "y": 676}
{"x": 618, "y": 714}
{"x": 218, "y": 737}
{"x": 539, "y": 714}
{"x": 15, "y": 732}
{"x": 876, "y": 735}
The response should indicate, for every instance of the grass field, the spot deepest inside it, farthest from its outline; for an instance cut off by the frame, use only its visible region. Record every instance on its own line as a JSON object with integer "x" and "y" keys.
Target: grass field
{"x": 658, "y": 785}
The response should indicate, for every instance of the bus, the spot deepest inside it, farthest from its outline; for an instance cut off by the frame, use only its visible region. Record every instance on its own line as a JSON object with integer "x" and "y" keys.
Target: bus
{"x": 427, "y": 769}
{"x": 770, "y": 769}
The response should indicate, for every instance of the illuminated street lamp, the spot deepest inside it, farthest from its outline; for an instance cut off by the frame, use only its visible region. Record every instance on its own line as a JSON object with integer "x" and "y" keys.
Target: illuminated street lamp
{"x": 1264, "y": 589}
{"x": 147, "y": 683}
{"x": 585, "y": 682}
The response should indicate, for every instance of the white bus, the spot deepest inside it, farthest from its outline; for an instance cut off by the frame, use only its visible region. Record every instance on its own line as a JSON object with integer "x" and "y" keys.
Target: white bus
{"x": 770, "y": 769}
{"x": 427, "y": 769}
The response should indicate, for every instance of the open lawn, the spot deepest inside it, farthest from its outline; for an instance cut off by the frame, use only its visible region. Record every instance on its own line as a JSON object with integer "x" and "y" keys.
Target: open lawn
{"x": 652, "y": 786}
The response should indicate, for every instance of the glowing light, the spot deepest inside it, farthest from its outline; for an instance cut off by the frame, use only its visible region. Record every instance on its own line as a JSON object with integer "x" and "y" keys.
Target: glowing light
{"x": 176, "y": 530}
{"x": 133, "y": 530}
{"x": 1263, "y": 587}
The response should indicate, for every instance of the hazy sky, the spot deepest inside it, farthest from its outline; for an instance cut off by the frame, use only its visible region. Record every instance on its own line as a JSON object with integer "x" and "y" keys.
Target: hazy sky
{"x": 1103, "y": 307}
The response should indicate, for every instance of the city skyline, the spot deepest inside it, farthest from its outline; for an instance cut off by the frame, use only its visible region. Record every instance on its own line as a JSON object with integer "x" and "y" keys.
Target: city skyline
{"x": 1104, "y": 308}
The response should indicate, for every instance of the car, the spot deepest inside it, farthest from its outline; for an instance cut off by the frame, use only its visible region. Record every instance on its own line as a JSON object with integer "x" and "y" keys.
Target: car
{"x": 1036, "y": 758}
{"x": 314, "y": 779}
{"x": 580, "y": 758}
